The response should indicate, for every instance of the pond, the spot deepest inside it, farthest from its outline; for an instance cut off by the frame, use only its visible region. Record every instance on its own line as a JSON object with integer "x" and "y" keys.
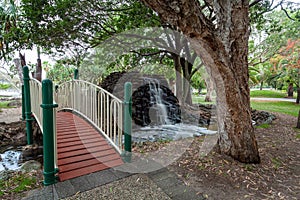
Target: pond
{"x": 169, "y": 132}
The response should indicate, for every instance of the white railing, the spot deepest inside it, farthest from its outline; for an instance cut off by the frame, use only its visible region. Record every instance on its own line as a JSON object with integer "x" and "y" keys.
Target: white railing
{"x": 99, "y": 107}
{"x": 37, "y": 111}
{"x": 36, "y": 101}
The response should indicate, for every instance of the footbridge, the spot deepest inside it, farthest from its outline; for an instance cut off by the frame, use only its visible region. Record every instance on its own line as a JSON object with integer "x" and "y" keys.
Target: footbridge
{"x": 85, "y": 128}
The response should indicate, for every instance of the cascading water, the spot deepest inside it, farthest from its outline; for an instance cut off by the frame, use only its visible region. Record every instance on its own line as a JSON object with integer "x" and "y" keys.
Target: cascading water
{"x": 162, "y": 115}
{"x": 10, "y": 160}
{"x": 158, "y": 109}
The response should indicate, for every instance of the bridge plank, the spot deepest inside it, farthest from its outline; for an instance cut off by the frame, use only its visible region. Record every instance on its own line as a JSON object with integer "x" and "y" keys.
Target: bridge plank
{"x": 89, "y": 162}
{"x": 99, "y": 155}
{"x": 67, "y": 144}
{"x": 81, "y": 148}
{"x": 86, "y": 170}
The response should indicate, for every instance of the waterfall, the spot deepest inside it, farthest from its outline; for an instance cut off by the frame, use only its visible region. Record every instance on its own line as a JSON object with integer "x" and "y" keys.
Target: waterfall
{"x": 158, "y": 111}
{"x": 10, "y": 160}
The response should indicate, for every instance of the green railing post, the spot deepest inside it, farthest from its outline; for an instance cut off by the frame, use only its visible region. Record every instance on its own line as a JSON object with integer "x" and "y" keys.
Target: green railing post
{"x": 23, "y": 104}
{"x": 48, "y": 132}
{"x": 127, "y": 122}
{"x": 28, "y": 113}
{"x": 76, "y": 74}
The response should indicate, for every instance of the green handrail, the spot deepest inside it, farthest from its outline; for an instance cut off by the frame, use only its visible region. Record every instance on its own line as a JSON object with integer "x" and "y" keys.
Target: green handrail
{"x": 76, "y": 74}
{"x": 23, "y": 104}
{"x": 127, "y": 122}
{"x": 28, "y": 113}
{"x": 48, "y": 132}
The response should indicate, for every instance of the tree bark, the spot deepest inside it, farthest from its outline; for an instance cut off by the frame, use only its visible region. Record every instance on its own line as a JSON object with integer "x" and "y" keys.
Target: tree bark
{"x": 186, "y": 67}
{"x": 298, "y": 121}
{"x": 19, "y": 69}
{"x": 209, "y": 89}
{"x": 298, "y": 95}
{"x": 222, "y": 45}
{"x": 178, "y": 81}
{"x": 38, "y": 71}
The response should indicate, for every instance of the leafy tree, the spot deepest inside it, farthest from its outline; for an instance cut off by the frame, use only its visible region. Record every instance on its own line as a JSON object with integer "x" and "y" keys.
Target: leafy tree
{"x": 219, "y": 33}
{"x": 267, "y": 38}
{"x": 288, "y": 63}
{"x": 60, "y": 72}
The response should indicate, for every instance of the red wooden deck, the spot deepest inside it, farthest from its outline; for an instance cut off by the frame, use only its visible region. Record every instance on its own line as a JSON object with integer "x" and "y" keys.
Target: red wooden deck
{"x": 81, "y": 149}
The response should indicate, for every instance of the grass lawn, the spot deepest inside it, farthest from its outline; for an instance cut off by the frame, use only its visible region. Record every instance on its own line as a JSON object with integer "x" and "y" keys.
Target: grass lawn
{"x": 267, "y": 94}
{"x": 4, "y": 104}
{"x": 284, "y": 107}
{"x": 200, "y": 99}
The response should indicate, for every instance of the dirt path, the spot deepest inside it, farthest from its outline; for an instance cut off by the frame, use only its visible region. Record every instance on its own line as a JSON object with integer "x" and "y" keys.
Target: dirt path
{"x": 276, "y": 177}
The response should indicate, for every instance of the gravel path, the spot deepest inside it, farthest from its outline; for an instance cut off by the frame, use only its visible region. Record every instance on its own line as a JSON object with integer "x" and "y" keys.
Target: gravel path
{"x": 135, "y": 187}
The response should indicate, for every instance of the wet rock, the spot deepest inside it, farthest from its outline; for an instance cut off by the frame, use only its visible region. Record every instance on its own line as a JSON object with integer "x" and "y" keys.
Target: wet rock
{"x": 146, "y": 111}
{"x": 6, "y": 174}
{"x": 30, "y": 152}
{"x": 31, "y": 165}
{"x": 142, "y": 96}
{"x": 12, "y": 134}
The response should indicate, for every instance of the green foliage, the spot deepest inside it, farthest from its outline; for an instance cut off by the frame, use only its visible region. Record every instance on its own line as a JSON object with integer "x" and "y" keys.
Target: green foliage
{"x": 16, "y": 184}
{"x": 267, "y": 94}
{"x": 289, "y": 108}
{"x": 60, "y": 73}
{"x": 4, "y": 86}
{"x": 298, "y": 136}
{"x": 276, "y": 163}
{"x": 4, "y": 104}
{"x": 197, "y": 80}
{"x": 263, "y": 126}
{"x": 83, "y": 23}
{"x": 270, "y": 33}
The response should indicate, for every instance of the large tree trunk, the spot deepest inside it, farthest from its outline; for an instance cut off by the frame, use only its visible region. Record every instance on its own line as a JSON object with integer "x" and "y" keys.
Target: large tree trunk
{"x": 38, "y": 71}
{"x": 209, "y": 89}
{"x": 223, "y": 47}
{"x": 19, "y": 69}
{"x": 178, "y": 81}
{"x": 298, "y": 95}
{"x": 261, "y": 85}
{"x": 186, "y": 67}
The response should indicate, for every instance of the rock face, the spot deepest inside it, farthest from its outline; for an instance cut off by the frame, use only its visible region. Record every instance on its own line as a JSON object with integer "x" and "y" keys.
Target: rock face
{"x": 12, "y": 134}
{"x": 262, "y": 117}
{"x": 32, "y": 152}
{"x": 31, "y": 165}
{"x": 205, "y": 115}
{"x": 145, "y": 110}
{"x": 6, "y": 174}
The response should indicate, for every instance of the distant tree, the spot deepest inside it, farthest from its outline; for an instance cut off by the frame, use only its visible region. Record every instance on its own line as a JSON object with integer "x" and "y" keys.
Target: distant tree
{"x": 288, "y": 63}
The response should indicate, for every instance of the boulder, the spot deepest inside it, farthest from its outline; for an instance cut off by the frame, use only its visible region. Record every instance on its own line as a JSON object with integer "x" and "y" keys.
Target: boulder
{"x": 6, "y": 174}
{"x": 30, "y": 152}
{"x": 31, "y": 165}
